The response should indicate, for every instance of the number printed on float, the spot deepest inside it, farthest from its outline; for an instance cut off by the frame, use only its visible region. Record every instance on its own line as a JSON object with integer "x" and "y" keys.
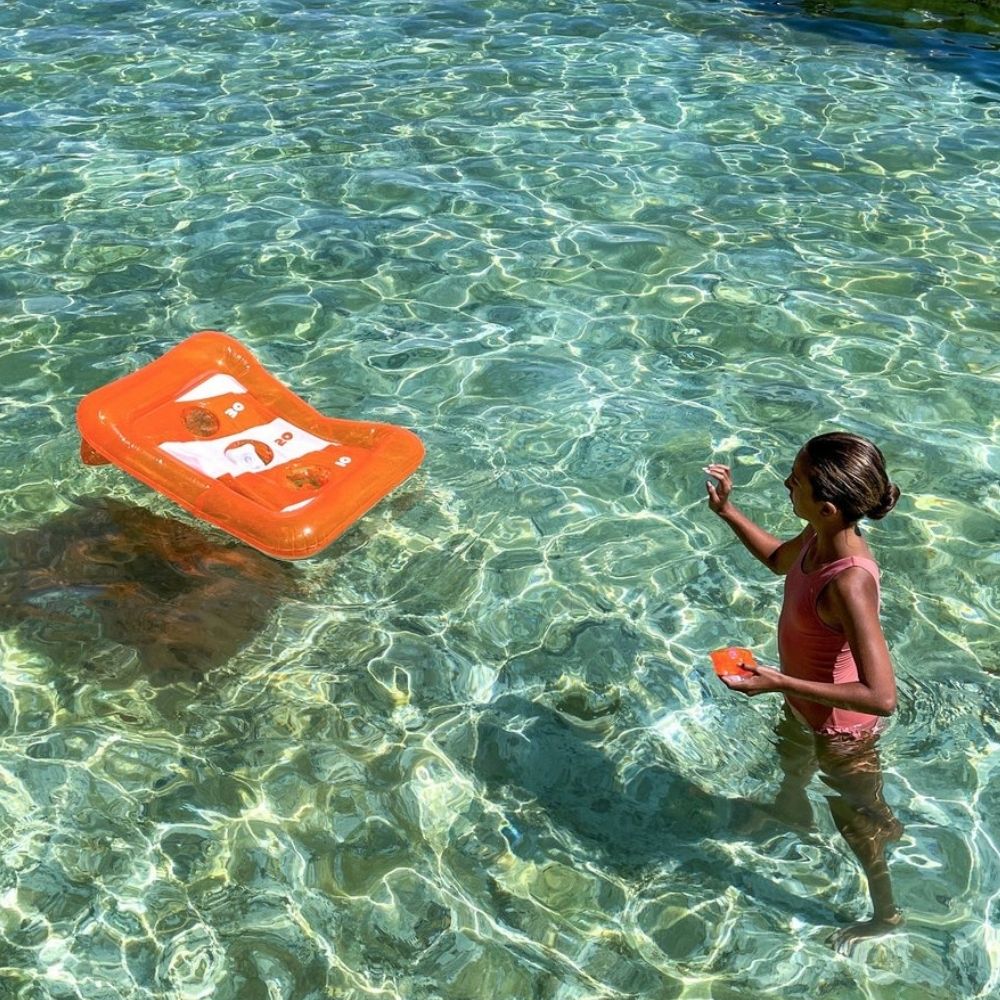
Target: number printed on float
{"x": 234, "y": 410}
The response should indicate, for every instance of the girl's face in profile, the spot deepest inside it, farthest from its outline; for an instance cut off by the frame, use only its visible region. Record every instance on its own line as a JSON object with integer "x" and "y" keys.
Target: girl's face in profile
{"x": 800, "y": 489}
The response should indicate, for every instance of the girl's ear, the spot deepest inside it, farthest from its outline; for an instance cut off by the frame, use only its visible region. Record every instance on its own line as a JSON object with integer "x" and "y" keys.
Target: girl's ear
{"x": 828, "y": 509}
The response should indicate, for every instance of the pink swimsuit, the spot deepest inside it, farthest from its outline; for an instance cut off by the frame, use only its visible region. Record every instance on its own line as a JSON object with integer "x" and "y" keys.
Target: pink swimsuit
{"x": 810, "y": 650}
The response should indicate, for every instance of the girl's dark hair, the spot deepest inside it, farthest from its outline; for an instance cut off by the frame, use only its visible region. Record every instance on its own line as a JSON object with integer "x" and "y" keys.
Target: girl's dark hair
{"x": 848, "y": 471}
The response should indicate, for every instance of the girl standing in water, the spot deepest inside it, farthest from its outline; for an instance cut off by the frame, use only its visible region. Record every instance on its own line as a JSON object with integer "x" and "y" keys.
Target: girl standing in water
{"x": 836, "y": 675}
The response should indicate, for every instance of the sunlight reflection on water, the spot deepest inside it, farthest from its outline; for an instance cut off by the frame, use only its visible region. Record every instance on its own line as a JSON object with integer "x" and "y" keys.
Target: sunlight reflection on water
{"x": 474, "y": 749}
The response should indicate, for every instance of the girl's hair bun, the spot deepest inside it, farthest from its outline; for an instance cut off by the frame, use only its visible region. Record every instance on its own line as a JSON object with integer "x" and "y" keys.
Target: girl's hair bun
{"x": 889, "y": 500}
{"x": 849, "y": 471}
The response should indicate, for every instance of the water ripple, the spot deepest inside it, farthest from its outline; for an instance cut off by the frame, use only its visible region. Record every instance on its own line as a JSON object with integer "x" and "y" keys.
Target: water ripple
{"x": 474, "y": 749}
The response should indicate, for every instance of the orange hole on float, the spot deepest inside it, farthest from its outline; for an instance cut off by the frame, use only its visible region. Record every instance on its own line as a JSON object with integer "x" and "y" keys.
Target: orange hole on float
{"x": 729, "y": 662}
{"x": 207, "y": 426}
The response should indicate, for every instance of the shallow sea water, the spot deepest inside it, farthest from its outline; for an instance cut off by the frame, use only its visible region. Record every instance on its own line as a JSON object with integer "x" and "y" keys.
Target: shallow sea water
{"x": 582, "y": 249}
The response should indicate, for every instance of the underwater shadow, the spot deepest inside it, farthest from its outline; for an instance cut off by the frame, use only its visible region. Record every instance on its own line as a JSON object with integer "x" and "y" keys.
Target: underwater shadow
{"x": 652, "y": 818}
{"x": 109, "y": 570}
{"x": 959, "y": 36}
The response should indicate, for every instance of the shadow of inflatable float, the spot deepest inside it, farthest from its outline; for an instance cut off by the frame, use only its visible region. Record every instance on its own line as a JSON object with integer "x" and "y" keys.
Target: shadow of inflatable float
{"x": 105, "y": 570}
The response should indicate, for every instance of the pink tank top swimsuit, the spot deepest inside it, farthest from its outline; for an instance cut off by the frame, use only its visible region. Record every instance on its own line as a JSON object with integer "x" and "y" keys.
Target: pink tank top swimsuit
{"x": 810, "y": 650}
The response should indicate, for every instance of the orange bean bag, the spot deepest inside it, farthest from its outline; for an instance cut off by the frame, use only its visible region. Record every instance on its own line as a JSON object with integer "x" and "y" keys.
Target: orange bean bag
{"x": 729, "y": 662}
{"x": 208, "y": 427}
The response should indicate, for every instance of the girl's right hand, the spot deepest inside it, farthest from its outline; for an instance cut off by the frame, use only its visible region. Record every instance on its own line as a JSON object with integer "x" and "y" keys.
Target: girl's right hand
{"x": 718, "y": 492}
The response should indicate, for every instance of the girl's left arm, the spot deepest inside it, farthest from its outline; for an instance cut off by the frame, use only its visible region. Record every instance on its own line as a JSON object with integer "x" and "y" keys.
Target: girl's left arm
{"x": 854, "y": 604}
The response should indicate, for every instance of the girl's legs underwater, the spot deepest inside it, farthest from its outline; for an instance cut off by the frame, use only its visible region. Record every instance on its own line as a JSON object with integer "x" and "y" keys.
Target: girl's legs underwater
{"x": 796, "y": 750}
{"x": 852, "y": 769}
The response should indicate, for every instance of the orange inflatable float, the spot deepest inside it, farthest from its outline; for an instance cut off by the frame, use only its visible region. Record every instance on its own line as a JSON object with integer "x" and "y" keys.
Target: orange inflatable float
{"x": 729, "y": 662}
{"x": 208, "y": 427}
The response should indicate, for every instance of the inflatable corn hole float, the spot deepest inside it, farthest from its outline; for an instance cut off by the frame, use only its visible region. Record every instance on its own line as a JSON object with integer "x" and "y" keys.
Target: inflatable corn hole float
{"x": 207, "y": 426}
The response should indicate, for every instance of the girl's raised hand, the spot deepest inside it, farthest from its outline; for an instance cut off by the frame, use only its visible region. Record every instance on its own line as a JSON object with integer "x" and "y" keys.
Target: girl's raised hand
{"x": 718, "y": 492}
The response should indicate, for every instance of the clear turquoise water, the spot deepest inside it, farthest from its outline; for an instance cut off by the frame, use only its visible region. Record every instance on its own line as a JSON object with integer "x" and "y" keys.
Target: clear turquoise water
{"x": 582, "y": 249}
